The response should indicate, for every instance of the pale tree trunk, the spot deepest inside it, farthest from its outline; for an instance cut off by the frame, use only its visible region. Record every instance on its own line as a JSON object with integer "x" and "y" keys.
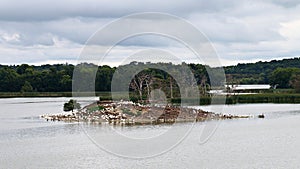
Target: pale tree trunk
{"x": 138, "y": 86}
{"x": 171, "y": 88}
{"x": 138, "y": 83}
{"x": 148, "y": 85}
{"x": 203, "y": 85}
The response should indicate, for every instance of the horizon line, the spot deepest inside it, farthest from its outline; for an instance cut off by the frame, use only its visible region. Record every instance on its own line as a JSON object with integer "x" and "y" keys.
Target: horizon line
{"x": 65, "y": 62}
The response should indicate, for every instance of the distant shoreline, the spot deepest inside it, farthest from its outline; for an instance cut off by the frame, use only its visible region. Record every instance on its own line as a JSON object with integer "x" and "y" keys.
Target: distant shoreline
{"x": 34, "y": 94}
{"x": 204, "y": 100}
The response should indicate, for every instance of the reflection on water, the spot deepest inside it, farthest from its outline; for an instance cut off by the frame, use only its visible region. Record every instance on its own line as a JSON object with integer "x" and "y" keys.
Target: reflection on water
{"x": 26, "y": 141}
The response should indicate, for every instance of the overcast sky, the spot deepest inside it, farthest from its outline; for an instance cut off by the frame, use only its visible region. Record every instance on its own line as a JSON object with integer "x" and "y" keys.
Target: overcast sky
{"x": 44, "y": 31}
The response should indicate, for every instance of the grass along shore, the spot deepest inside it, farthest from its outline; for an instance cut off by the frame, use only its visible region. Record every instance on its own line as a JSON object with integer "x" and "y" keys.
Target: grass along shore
{"x": 204, "y": 100}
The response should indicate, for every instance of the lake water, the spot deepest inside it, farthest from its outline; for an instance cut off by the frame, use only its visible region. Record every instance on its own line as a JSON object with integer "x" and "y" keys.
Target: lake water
{"x": 26, "y": 141}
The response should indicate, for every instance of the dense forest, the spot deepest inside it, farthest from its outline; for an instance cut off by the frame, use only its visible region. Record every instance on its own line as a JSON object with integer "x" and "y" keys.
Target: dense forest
{"x": 58, "y": 78}
{"x": 275, "y": 72}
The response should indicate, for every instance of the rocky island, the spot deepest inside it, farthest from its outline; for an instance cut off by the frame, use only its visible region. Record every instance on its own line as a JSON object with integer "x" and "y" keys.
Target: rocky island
{"x": 129, "y": 113}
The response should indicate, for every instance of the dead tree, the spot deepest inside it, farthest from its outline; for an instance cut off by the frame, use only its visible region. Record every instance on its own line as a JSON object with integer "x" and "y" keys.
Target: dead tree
{"x": 139, "y": 82}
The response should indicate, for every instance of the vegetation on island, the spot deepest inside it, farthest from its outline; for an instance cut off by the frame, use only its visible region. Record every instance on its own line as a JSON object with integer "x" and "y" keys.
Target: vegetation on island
{"x": 72, "y": 105}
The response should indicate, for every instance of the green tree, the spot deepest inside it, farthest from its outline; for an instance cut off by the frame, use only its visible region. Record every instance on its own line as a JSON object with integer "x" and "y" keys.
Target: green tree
{"x": 71, "y": 105}
{"x": 295, "y": 82}
{"x": 10, "y": 81}
{"x": 103, "y": 78}
{"x": 282, "y": 76}
{"x": 22, "y": 68}
{"x": 26, "y": 87}
{"x": 66, "y": 83}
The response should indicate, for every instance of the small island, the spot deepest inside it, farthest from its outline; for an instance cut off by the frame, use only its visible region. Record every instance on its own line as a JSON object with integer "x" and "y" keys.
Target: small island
{"x": 130, "y": 113}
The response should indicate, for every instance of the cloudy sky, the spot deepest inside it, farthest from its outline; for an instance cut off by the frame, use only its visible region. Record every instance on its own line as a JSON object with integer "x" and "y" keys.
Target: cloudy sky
{"x": 39, "y": 32}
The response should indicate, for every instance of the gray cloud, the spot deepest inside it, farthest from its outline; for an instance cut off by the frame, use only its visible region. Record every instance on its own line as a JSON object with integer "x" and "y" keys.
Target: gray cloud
{"x": 49, "y": 10}
{"x": 286, "y": 3}
{"x": 37, "y": 31}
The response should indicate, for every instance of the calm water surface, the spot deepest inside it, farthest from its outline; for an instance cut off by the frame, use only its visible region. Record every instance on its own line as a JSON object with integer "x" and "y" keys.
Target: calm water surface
{"x": 26, "y": 141}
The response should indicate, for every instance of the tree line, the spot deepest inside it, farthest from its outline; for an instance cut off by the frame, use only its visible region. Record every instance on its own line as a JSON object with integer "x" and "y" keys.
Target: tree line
{"x": 278, "y": 73}
{"x": 48, "y": 78}
{"x": 58, "y": 77}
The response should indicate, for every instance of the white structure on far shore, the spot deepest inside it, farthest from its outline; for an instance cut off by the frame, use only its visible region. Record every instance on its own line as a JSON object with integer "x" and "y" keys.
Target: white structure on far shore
{"x": 242, "y": 89}
{"x": 248, "y": 87}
